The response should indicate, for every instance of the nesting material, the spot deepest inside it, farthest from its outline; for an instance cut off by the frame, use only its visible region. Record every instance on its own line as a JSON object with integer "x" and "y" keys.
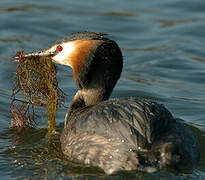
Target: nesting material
{"x": 35, "y": 85}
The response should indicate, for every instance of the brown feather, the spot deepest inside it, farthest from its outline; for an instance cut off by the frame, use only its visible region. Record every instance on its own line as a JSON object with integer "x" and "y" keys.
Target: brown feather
{"x": 81, "y": 50}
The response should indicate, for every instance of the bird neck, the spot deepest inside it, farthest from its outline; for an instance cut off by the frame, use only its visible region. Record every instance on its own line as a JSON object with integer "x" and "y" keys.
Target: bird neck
{"x": 89, "y": 97}
{"x": 96, "y": 76}
{"x": 86, "y": 98}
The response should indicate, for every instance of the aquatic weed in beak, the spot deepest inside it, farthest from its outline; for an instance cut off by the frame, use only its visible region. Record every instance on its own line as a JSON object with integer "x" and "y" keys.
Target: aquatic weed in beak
{"x": 37, "y": 85}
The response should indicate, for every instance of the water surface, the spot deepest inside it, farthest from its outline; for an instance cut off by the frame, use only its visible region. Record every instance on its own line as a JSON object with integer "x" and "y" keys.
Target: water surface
{"x": 164, "y": 60}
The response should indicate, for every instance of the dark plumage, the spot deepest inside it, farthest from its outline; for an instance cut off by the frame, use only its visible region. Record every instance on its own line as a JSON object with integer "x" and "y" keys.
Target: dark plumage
{"x": 129, "y": 134}
{"x": 116, "y": 134}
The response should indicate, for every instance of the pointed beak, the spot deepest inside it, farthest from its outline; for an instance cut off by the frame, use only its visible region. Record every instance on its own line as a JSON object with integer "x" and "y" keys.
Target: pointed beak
{"x": 45, "y": 53}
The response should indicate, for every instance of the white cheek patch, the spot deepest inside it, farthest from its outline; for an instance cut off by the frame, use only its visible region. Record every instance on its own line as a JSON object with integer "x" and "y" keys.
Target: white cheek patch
{"x": 63, "y": 56}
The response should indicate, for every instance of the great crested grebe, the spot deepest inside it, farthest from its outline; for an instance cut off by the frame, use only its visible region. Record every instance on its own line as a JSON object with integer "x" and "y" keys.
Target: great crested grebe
{"x": 116, "y": 134}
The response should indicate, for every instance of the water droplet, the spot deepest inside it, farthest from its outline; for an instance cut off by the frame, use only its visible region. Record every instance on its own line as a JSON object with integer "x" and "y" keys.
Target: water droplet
{"x": 111, "y": 157}
{"x": 130, "y": 150}
{"x": 109, "y": 139}
{"x": 150, "y": 113}
{"x": 88, "y": 161}
{"x": 139, "y": 148}
{"x": 163, "y": 154}
{"x": 150, "y": 169}
{"x": 123, "y": 140}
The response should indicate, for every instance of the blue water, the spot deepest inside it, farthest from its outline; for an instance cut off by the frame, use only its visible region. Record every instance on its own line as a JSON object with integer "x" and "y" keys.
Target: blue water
{"x": 164, "y": 60}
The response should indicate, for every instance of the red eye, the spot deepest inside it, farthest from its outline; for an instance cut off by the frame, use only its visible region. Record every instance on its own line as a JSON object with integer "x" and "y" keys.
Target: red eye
{"x": 60, "y": 48}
